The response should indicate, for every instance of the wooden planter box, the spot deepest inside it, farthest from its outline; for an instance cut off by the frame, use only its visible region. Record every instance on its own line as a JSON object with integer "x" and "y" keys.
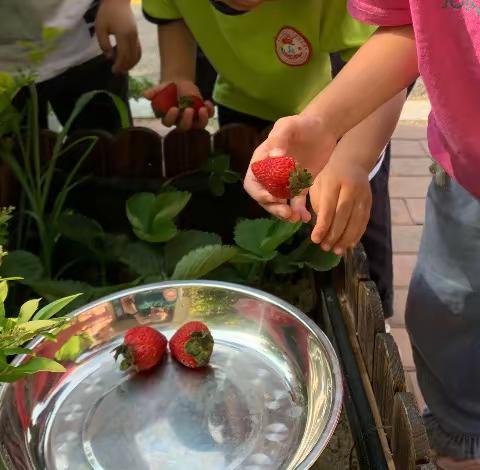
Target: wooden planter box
{"x": 383, "y": 416}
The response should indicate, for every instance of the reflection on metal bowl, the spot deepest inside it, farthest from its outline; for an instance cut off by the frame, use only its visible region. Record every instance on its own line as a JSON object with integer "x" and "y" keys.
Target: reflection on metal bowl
{"x": 270, "y": 399}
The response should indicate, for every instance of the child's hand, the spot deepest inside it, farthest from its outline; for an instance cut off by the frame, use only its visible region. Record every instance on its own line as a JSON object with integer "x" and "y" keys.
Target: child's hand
{"x": 184, "y": 120}
{"x": 342, "y": 199}
{"x": 115, "y": 18}
{"x": 310, "y": 142}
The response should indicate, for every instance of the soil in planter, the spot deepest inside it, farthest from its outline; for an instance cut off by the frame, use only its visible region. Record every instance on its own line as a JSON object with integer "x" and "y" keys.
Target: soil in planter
{"x": 340, "y": 453}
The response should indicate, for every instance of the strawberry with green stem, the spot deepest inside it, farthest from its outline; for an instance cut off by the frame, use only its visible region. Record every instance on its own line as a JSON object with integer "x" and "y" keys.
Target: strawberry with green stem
{"x": 192, "y": 345}
{"x": 281, "y": 176}
{"x": 143, "y": 348}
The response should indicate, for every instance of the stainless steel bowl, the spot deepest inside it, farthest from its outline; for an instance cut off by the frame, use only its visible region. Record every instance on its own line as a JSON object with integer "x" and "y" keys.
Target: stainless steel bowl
{"x": 270, "y": 399}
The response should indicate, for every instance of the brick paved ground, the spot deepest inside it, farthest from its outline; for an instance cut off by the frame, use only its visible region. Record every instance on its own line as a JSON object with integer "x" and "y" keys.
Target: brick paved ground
{"x": 409, "y": 180}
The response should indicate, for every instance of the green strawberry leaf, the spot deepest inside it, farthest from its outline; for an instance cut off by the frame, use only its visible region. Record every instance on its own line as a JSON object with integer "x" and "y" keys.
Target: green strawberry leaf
{"x": 27, "y": 310}
{"x": 185, "y": 242}
{"x": 200, "y": 262}
{"x": 279, "y": 233}
{"x": 81, "y": 229}
{"x": 142, "y": 259}
{"x": 140, "y": 210}
{"x": 250, "y": 234}
{"x": 263, "y": 236}
{"x": 216, "y": 185}
{"x": 163, "y": 231}
{"x": 231, "y": 177}
{"x": 308, "y": 254}
{"x": 23, "y": 264}
{"x": 169, "y": 204}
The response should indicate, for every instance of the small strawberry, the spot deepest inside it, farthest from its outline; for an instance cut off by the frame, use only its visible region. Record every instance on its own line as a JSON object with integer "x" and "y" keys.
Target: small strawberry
{"x": 165, "y": 99}
{"x": 143, "y": 348}
{"x": 191, "y": 101}
{"x": 281, "y": 176}
{"x": 192, "y": 345}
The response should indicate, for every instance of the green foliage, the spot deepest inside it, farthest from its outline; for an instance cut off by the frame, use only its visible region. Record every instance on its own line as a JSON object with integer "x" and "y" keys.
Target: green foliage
{"x": 217, "y": 167}
{"x": 151, "y": 216}
{"x": 15, "y": 332}
{"x": 138, "y": 86}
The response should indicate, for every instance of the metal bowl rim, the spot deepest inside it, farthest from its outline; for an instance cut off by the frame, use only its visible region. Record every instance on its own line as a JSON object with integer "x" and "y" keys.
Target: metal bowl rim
{"x": 261, "y": 295}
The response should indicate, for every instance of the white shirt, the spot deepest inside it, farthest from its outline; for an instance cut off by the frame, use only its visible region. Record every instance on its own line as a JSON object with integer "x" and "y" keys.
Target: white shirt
{"x": 24, "y": 20}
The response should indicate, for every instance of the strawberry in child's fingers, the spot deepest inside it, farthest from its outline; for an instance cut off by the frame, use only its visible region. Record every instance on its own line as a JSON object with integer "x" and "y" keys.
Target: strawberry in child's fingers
{"x": 164, "y": 100}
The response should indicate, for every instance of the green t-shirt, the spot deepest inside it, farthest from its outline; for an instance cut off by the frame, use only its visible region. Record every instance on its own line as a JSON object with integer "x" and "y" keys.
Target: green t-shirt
{"x": 273, "y": 60}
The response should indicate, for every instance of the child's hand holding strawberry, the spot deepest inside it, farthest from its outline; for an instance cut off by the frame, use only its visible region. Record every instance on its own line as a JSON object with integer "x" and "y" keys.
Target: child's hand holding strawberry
{"x": 306, "y": 139}
{"x": 180, "y": 103}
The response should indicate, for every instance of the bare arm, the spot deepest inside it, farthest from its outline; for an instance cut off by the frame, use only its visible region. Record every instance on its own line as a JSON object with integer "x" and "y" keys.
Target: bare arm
{"x": 383, "y": 67}
{"x": 178, "y": 59}
{"x": 177, "y": 52}
{"x": 364, "y": 143}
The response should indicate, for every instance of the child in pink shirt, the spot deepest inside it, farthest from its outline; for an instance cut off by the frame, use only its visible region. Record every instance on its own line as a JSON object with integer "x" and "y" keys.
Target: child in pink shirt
{"x": 440, "y": 39}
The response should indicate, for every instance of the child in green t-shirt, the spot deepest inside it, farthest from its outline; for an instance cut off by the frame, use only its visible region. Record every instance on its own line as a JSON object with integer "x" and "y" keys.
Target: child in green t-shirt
{"x": 271, "y": 61}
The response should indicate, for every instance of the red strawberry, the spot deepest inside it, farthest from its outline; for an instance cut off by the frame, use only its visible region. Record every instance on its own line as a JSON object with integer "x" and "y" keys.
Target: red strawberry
{"x": 191, "y": 101}
{"x": 281, "y": 176}
{"x": 143, "y": 348}
{"x": 165, "y": 99}
{"x": 192, "y": 344}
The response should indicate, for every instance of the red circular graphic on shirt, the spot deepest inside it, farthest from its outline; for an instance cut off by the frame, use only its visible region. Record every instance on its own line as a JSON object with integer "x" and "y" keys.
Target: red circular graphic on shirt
{"x": 292, "y": 47}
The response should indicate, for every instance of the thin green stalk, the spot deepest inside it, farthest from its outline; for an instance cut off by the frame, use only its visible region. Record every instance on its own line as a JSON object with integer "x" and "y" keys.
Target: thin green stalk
{"x": 63, "y": 193}
{"x": 36, "y": 140}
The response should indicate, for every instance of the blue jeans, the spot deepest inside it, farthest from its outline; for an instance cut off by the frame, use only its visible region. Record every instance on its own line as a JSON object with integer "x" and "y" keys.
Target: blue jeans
{"x": 443, "y": 320}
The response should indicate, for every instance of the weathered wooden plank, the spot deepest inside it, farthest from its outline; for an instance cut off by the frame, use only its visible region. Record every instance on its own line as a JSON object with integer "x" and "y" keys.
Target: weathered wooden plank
{"x": 370, "y": 321}
{"x": 410, "y": 446}
{"x": 9, "y": 187}
{"x": 47, "y": 139}
{"x": 185, "y": 151}
{"x": 238, "y": 141}
{"x": 356, "y": 270}
{"x": 136, "y": 153}
{"x": 96, "y": 162}
{"x": 388, "y": 378}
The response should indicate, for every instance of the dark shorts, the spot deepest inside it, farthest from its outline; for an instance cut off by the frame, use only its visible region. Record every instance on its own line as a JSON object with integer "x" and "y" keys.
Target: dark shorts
{"x": 63, "y": 91}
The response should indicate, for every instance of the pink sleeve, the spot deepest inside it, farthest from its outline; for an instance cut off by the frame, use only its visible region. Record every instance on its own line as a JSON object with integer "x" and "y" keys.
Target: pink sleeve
{"x": 381, "y": 12}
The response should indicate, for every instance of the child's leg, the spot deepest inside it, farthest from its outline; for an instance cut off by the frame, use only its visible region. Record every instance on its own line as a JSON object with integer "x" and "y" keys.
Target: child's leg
{"x": 96, "y": 74}
{"x": 443, "y": 319}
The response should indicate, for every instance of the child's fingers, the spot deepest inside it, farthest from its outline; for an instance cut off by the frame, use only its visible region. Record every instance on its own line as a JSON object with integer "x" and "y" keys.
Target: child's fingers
{"x": 325, "y": 207}
{"x": 202, "y": 119}
{"x": 279, "y": 210}
{"x": 171, "y": 117}
{"x": 299, "y": 207}
{"x": 186, "y": 119}
{"x": 280, "y": 136}
{"x": 355, "y": 229}
{"x": 103, "y": 39}
{"x": 210, "y": 108}
{"x": 340, "y": 220}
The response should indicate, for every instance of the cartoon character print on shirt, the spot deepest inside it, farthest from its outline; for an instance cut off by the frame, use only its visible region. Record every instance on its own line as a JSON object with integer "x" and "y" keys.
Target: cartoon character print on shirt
{"x": 292, "y": 47}
{"x": 90, "y": 16}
